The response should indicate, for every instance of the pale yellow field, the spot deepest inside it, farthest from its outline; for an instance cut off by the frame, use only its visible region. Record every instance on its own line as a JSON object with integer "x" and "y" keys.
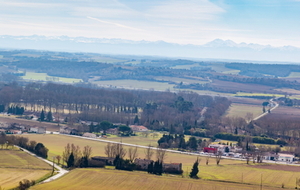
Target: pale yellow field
{"x": 240, "y": 110}
{"x": 229, "y": 170}
{"x": 17, "y": 165}
{"x": 294, "y": 75}
{"x": 135, "y": 84}
{"x": 45, "y": 77}
{"x": 107, "y": 179}
{"x": 178, "y": 80}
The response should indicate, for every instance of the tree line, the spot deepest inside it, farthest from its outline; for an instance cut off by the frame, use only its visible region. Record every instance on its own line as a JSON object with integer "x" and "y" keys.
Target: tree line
{"x": 9, "y": 141}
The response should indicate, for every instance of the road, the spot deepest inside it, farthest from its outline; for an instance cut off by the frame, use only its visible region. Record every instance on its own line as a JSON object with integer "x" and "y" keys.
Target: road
{"x": 176, "y": 151}
{"x": 266, "y": 113}
{"x": 60, "y": 170}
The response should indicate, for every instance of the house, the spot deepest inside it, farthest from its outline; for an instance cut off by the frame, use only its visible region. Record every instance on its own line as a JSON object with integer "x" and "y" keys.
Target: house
{"x": 113, "y": 131}
{"x": 210, "y": 150}
{"x": 89, "y": 135}
{"x": 65, "y": 130}
{"x": 107, "y": 160}
{"x": 138, "y": 128}
{"x": 219, "y": 147}
{"x": 172, "y": 167}
{"x": 142, "y": 164}
{"x": 39, "y": 130}
{"x": 285, "y": 157}
{"x": 33, "y": 129}
{"x": 16, "y": 132}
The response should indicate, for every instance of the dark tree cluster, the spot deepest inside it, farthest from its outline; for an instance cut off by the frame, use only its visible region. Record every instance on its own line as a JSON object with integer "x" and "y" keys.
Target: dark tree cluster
{"x": 11, "y": 140}
{"x": 155, "y": 168}
{"x": 14, "y": 110}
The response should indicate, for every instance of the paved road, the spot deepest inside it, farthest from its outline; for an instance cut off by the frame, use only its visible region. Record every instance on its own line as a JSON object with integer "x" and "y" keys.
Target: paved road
{"x": 60, "y": 170}
{"x": 266, "y": 113}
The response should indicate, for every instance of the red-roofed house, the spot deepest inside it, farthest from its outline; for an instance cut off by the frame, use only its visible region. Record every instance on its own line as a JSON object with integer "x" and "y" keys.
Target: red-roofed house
{"x": 138, "y": 128}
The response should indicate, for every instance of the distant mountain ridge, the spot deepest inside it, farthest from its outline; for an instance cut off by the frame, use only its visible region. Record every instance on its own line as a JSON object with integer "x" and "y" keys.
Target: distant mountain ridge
{"x": 216, "y": 49}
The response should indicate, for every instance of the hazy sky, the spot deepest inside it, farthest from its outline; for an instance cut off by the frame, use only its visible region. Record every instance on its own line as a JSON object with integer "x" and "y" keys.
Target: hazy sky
{"x": 274, "y": 22}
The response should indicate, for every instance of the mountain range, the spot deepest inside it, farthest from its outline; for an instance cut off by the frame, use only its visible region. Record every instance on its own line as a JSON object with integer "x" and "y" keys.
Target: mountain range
{"x": 216, "y": 49}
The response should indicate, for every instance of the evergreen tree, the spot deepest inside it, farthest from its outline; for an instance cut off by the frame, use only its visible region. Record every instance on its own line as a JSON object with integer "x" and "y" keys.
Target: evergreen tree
{"x": 42, "y": 116}
{"x": 136, "y": 120}
{"x": 71, "y": 160}
{"x": 150, "y": 168}
{"x": 49, "y": 116}
{"x": 195, "y": 170}
{"x": 2, "y": 108}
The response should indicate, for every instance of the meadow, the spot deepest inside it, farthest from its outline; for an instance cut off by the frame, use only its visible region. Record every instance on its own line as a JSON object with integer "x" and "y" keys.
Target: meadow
{"x": 135, "y": 84}
{"x": 122, "y": 180}
{"x": 240, "y": 110}
{"x": 45, "y": 77}
{"x": 234, "y": 171}
{"x": 17, "y": 165}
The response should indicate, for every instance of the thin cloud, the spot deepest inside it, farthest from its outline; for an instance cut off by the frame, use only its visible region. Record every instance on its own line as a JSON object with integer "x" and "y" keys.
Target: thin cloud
{"x": 116, "y": 24}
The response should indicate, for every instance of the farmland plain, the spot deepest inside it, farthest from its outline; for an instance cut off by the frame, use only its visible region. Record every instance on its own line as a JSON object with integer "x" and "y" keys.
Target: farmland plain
{"x": 17, "y": 165}
{"x": 116, "y": 179}
{"x": 240, "y": 110}
{"x": 229, "y": 170}
{"x": 45, "y": 77}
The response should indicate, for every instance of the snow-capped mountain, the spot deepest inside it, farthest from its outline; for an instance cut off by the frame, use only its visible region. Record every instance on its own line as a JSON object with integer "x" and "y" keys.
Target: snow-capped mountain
{"x": 216, "y": 49}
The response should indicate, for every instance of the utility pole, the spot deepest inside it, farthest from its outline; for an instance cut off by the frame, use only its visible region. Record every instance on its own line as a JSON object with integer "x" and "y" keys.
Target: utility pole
{"x": 261, "y": 182}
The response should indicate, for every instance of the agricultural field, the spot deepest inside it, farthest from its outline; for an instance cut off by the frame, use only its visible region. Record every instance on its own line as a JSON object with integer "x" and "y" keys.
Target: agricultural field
{"x": 135, "y": 84}
{"x": 178, "y": 80}
{"x": 116, "y": 179}
{"x": 11, "y": 119}
{"x": 285, "y": 112}
{"x": 45, "y": 77}
{"x": 294, "y": 75}
{"x": 17, "y": 165}
{"x": 240, "y": 110}
{"x": 229, "y": 170}
{"x": 259, "y": 94}
{"x": 102, "y": 59}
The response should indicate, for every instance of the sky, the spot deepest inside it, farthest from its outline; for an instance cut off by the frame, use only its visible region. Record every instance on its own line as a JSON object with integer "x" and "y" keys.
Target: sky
{"x": 266, "y": 22}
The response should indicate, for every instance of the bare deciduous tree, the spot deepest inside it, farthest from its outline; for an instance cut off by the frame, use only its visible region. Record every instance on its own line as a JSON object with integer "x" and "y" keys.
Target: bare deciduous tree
{"x": 119, "y": 150}
{"x": 218, "y": 157}
{"x": 66, "y": 153}
{"x": 161, "y": 154}
{"x": 132, "y": 154}
{"x": 87, "y": 151}
{"x": 58, "y": 157}
{"x": 109, "y": 150}
{"x": 148, "y": 153}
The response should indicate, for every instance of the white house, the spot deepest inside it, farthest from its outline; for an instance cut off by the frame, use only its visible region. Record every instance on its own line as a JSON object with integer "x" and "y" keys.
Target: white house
{"x": 285, "y": 157}
{"x": 89, "y": 135}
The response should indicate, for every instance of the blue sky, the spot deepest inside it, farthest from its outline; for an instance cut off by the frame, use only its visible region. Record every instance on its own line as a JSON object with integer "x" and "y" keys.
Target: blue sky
{"x": 274, "y": 22}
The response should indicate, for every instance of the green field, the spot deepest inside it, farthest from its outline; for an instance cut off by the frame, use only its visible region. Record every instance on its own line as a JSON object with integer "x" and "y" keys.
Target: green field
{"x": 136, "y": 84}
{"x": 258, "y": 94}
{"x": 17, "y": 165}
{"x": 294, "y": 75}
{"x": 240, "y": 110}
{"x": 178, "y": 80}
{"x": 228, "y": 170}
{"x": 122, "y": 180}
{"x": 106, "y": 59}
{"x": 45, "y": 77}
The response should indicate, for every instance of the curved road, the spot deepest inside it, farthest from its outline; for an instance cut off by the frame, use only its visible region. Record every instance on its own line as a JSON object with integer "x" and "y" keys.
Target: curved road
{"x": 266, "y": 113}
{"x": 60, "y": 170}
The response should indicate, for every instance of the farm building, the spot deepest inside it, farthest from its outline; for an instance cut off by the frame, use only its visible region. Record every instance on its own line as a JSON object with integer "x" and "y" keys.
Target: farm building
{"x": 138, "y": 128}
{"x": 142, "y": 163}
{"x": 285, "y": 157}
{"x": 106, "y": 160}
{"x": 172, "y": 167}
{"x": 210, "y": 150}
{"x": 89, "y": 135}
{"x": 219, "y": 147}
{"x": 39, "y": 130}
